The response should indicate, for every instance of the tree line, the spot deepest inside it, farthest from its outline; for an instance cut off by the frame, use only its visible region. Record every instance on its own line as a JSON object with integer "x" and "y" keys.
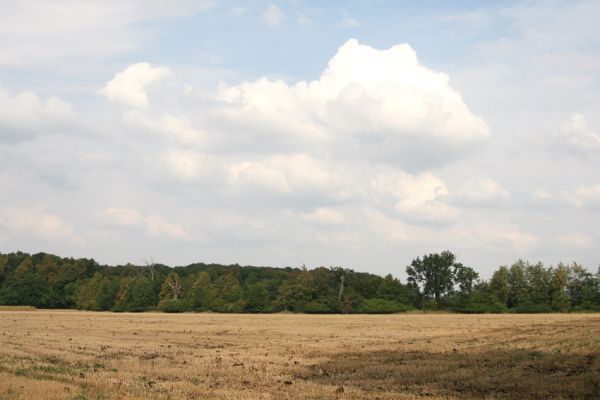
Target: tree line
{"x": 435, "y": 282}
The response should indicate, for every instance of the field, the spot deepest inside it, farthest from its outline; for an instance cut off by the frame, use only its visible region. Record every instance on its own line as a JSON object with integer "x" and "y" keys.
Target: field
{"x": 85, "y": 355}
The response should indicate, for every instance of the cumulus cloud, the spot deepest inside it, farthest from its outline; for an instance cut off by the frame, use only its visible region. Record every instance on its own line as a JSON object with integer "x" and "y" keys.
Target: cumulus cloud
{"x": 578, "y": 137}
{"x": 497, "y": 236}
{"x": 481, "y": 192}
{"x": 299, "y": 176}
{"x": 347, "y": 22}
{"x": 184, "y": 165}
{"x": 38, "y": 223}
{"x": 413, "y": 197}
{"x": 273, "y": 16}
{"x": 585, "y": 196}
{"x": 325, "y": 215}
{"x": 155, "y": 225}
{"x": 312, "y": 144}
{"x": 363, "y": 152}
{"x": 178, "y": 129}
{"x": 129, "y": 87}
{"x": 381, "y": 104}
{"x": 123, "y": 216}
{"x": 577, "y": 240}
{"x": 25, "y": 114}
{"x": 382, "y": 226}
{"x": 50, "y": 31}
{"x": 541, "y": 196}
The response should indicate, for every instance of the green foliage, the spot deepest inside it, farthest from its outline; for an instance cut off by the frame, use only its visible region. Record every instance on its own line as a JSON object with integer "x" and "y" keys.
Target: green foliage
{"x": 296, "y": 292}
{"x": 319, "y": 306}
{"x": 464, "y": 277}
{"x": 517, "y": 284}
{"x": 438, "y": 274}
{"x": 382, "y": 306}
{"x": 203, "y": 294}
{"x": 479, "y": 301}
{"x": 173, "y": 306}
{"x": 434, "y": 272}
{"x": 436, "y": 282}
{"x": 390, "y": 288}
{"x": 559, "y": 297}
{"x": 141, "y": 295}
{"x": 499, "y": 290}
{"x": 257, "y": 297}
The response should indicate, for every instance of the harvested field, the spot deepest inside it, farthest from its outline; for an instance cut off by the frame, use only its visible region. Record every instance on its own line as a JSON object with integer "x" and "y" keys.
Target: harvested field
{"x": 86, "y": 355}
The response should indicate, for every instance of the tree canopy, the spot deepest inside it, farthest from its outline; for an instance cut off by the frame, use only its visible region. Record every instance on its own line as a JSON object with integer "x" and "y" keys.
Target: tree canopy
{"x": 435, "y": 281}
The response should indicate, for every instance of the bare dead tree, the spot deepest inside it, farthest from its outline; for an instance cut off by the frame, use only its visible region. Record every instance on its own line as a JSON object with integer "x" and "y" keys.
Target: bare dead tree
{"x": 173, "y": 283}
{"x": 150, "y": 266}
{"x": 341, "y": 284}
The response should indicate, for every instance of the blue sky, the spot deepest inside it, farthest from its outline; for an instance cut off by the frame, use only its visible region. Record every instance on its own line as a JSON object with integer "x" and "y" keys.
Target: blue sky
{"x": 354, "y": 133}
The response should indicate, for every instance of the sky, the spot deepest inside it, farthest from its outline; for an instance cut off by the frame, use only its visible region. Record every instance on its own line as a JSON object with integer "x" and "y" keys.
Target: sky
{"x": 357, "y": 133}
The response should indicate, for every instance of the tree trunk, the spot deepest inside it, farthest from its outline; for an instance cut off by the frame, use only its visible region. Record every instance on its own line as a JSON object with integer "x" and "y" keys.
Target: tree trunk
{"x": 341, "y": 291}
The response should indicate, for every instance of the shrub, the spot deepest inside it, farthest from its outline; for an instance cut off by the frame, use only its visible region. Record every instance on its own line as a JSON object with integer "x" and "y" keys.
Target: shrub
{"x": 172, "y": 306}
{"x": 481, "y": 308}
{"x": 381, "y": 306}
{"x": 317, "y": 307}
{"x": 532, "y": 308}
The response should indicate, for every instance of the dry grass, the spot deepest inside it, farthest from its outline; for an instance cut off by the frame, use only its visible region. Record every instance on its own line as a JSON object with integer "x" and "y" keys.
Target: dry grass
{"x": 82, "y": 355}
{"x": 17, "y": 308}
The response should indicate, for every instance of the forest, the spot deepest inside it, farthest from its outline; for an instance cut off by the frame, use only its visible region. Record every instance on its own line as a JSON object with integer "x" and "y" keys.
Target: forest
{"x": 435, "y": 282}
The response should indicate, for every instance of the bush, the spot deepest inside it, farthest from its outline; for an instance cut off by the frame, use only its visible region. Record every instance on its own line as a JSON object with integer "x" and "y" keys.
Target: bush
{"x": 172, "y": 306}
{"x": 481, "y": 308}
{"x": 381, "y": 306}
{"x": 587, "y": 307}
{"x": 532, "y": 308}
{"x": 222, "y": 306}
{"x": 317, "y": 307}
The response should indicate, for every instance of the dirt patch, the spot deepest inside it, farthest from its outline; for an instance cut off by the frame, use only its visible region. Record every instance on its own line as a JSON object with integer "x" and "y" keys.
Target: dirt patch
{"x": 523, "y": 374}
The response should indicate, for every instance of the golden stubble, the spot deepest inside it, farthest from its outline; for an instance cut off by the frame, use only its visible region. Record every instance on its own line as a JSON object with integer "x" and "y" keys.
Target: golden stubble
{"x": 87, "y": 355}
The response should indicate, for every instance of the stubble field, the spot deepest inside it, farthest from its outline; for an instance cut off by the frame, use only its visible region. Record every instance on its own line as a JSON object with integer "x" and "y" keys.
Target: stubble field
{"x": 86, "y": 355}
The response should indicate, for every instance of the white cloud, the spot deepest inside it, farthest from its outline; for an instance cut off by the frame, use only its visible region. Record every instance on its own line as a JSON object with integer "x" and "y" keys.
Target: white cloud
{"x": 311, "y": 144}
{"x": 495, "y": 236}
{"x": 184, "y": 165}
{"x": 48, "y": 31}
{"x": 25, "y": 114}
{"x": 296, "y": 175}
{"x": 129, "y": 87}
{"x": 577, "y": 240}
{"x": 471, "y": 21}
{"x": 414, "y": 197}
{"x": 584, "y": 196}
{"x": 38, "y": 223}
{"x": 325, "y": 215}
{"x": 371, "y": 152}
{"x": 539, "y": 196}
{"x": 155, "y": 225}
{"x": 379, "y": 104}
{"x": 382, "y": 227}
{"x": 482, "y": 192}
{"x": 259, "y": 174}
{"x": 123, "y": 216}
{"x": 178, "y": 129}
{"x": 347, "y": 23}
{"x": 578, "y": 136}
{"x": 273, "y": 16}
